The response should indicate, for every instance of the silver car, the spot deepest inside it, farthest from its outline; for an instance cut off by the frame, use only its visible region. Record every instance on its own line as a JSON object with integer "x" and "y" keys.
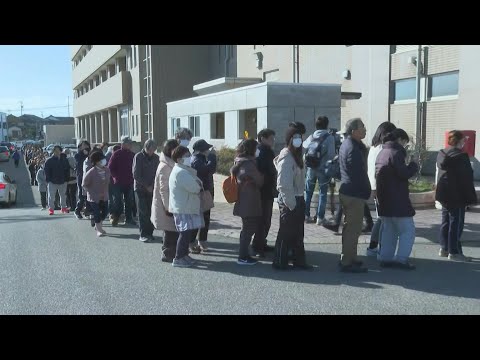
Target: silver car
{"x": 8, "y": 190}
{"x": 4, "y": 153}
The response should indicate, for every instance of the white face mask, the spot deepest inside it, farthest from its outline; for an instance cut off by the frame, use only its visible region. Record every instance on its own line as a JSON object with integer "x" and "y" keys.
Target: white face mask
{"x": 297, "y": 142}
{"x": 257, "y": 153}
{"x": 184, "y": 143}
{"x": 103, "y": 162}
{"x": 187, "y": 161}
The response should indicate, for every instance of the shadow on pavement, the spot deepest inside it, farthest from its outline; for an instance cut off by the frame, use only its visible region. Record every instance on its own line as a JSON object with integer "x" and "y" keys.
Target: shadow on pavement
{"x": 431, "y": 276}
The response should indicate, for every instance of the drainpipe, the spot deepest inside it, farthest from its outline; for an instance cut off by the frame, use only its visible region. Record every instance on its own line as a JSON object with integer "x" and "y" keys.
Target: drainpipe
{"x": 298, "y": 63}
{"x": 227, "y": 59}
{"x": 293, "y": 62}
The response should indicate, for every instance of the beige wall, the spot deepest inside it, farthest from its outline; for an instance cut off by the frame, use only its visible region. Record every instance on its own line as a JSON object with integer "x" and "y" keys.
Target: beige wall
{"x": 274, "y": 57}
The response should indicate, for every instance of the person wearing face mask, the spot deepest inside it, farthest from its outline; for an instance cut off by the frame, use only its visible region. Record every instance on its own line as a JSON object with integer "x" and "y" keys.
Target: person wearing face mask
{"x": 71, "y": 181}
{"x": 455, "y": 191}
{"x": 80, "y": 156}
{"x": 264, "y": 157}
{"x": 145, "y": 165}
{"x": 394, "y": 205}
{"x": 96, "y": 183}
{"x": 291, "y": 201}
{"x": 204, "y": 161}
{"x": 184, "y": 204}
{"x": 183, "y": 136}
{"x": 56, "y": 170}
{"x": 249, "y": 203}
{"x": 42, "y": 184}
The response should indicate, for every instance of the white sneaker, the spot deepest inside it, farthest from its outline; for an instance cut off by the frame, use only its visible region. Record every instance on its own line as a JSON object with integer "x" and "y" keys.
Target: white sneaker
{"x": 459, "y": 258}
{"x": 320, "y": 222}
{"x": 43, "y": 209}
{"x": 442, "y": 253}
{"x": 144, "y": 239}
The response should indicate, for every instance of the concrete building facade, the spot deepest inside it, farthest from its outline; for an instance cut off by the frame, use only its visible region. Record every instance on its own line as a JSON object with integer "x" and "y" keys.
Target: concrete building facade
{"x": 123, "y": 89}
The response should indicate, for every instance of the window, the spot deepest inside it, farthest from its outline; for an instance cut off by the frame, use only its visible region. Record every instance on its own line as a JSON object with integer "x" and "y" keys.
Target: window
{"x": 175, "y": 125}
{"x": 443, "y": 84}
{"x": 217, "y": 127}
{"x": 404, "y": 89}
{"x": 194, "y": 125}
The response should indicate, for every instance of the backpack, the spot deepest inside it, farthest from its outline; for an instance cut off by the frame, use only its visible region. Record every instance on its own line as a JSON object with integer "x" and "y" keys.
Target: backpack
{"x": 314, "y": 151}
{"x": 230, "y": 189}
{"x": 332, "y": 168}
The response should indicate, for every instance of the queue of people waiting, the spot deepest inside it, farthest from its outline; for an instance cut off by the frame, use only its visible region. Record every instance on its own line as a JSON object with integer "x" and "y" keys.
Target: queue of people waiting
{"x": 174, "y": 192}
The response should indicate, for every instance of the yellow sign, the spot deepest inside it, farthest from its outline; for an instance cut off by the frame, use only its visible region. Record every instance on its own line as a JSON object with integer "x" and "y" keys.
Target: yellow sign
{"x": 246, "y": 134}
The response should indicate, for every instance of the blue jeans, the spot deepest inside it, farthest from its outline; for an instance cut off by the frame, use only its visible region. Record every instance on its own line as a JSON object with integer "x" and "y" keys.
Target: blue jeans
{"x": 395, "y": 230}
{"x": 314, "y": 175}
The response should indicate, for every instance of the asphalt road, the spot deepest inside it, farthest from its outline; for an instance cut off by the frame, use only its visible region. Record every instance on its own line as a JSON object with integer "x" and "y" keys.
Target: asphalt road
{"x": 56, "y": 265}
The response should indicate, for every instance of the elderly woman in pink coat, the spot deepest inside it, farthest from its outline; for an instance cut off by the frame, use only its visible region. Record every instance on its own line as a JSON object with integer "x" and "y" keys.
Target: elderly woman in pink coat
{"x": 161, "y": 218}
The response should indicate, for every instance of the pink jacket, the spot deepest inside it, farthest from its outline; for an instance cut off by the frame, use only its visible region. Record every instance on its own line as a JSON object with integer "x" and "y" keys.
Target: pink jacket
{"x": 97, "y": 189}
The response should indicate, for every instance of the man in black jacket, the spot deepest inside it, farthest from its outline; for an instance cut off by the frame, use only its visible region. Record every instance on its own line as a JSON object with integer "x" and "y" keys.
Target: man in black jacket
{"x": 56, "y": 173}
{"x": 354, "y": 191}
{"x": 204, "y": 161}
{"x": 265, "y": 156}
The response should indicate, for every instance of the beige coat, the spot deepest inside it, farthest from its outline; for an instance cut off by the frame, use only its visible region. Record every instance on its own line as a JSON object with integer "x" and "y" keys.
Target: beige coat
{"x": 290, "y": 180}
{"x": 161, "y": 195}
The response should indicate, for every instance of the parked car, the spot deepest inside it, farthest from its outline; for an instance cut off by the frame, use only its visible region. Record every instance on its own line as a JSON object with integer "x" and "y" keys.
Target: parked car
{"x": 9, "y": 145}
{"x": 4, "y": 153}
{"x": 8, "y": 190}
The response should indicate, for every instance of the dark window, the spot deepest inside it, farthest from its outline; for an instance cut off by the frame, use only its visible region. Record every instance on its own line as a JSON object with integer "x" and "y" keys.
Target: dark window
{"x": 443, "y": 84}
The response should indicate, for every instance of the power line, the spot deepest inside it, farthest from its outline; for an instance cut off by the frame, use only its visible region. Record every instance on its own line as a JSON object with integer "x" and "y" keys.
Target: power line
{"x": 41, "y": 108}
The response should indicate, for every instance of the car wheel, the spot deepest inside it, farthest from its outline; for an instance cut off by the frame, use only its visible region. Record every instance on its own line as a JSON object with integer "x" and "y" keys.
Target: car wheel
{"x": 7, "y": 204}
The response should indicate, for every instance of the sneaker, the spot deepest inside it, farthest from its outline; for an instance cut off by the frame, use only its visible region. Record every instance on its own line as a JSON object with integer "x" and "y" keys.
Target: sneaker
{"x": 459, "y": 258}
{"x": 144, "y": 239}
{"x": 183, "y": 262}
{"x": 372, "y": 252}
{"x": 332, "y": 227}
{"x": 309, "y": 220}
{"x": 246, "y": 261}
{"x": 320, "y": 222}
{"x": 43, "y": 209}
{"x": 443, "y": 253}
{"x": 78, "y": 215}
{"x": 167, "y": 259}
{"x": 50, "y": 212}
{"x": 195, "y": 249}
{"x": 353, "y": 269}
{"x": 203, "y": 245}
{"x": 114, "y": 221}
{"x": 100, "y": 233}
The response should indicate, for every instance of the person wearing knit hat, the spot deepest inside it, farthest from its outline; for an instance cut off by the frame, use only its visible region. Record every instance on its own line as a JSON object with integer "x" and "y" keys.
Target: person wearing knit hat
{"x": 290, "y": 185}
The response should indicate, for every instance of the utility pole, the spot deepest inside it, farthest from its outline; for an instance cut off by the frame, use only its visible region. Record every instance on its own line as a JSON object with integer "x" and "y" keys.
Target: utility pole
{"x": 68, "y": 105}
{"x": 21, "y": 108}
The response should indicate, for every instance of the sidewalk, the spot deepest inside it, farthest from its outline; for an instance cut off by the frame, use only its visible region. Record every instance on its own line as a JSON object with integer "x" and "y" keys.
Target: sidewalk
{"x": 427, "y": 222}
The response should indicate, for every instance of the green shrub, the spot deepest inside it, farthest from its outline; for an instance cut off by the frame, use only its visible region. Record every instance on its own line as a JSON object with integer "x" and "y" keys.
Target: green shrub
{"x": 420, "y": 186}
{"x": 225, "y": 158}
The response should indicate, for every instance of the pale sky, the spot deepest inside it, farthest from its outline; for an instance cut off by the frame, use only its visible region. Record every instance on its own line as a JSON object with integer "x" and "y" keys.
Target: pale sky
{"x": 38, "y": 75}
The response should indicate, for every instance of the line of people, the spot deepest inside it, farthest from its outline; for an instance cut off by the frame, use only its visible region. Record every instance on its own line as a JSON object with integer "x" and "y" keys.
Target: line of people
{"x": 174, "y": 192}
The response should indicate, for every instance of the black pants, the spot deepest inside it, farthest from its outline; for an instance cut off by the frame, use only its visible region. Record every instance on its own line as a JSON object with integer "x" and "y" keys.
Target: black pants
{"x": 33, "y": 181}
{"x": 144, "y": 206}
{"x": 366, "y": 214}
{"x": 169, "y": 247}
{"x": 290, "y": 235}
{"x": 16, "y": 162}
{"x": 260, "y": 239}
{"x": 184, "y": 239}
{"x": 43, "y": 198}
{"x": 99, "y": 210}
{"x": 451, "y": 230}
{"x": 249, "y": 226}
{"x": 71, "y": 195}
